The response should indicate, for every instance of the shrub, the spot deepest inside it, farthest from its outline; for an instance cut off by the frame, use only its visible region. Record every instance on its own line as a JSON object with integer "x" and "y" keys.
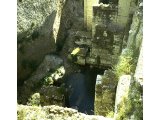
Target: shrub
{"x": 125, "y": 64}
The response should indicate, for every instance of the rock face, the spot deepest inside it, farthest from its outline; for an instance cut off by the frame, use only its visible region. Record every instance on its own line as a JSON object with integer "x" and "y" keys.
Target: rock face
{"x": 128, "y": 73}
{"x": 129, "y": 96}
{"x": 139, "y": 69}
{"x": 34, "y": 34}
{"x": 48, "y": 67}
{"x": 31, "y": 16}
{"x": 129, "y": 99}
{"x": 122, "y": 92}
{"x": 35, "y": 42}
{"x": 53, "y": 113}
{"x": 71, "y": 18}
{"x": 39, "y": 25}
{"x": 136, "y": 31}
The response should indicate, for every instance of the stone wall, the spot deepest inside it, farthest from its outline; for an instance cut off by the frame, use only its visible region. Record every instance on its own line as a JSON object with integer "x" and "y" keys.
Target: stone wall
{"x": 125, "y": 8}
{"x": 103, "y": 14}
{"x": 105, "y": 93}
{"x": 129, "y": 96}
{"x": 88, "y": 13}
{"x": 107, "y": 34}
{"x": 72, "y": 17}
{"x": 85, "y": 13}
{"x": 121, "y": 94}
{"x": 139, "y": 69}
{"x": 128, "y": 73}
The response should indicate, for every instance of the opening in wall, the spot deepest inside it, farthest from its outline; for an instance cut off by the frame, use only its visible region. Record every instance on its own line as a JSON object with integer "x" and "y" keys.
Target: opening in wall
{"x": 108, "y": 1}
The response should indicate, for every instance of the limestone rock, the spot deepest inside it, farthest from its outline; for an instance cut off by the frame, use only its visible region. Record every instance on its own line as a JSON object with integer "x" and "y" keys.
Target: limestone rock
{"x": 136, "y": 31}
{"x": 34, "y": 34}
{"x": 53, "y": 113}
{"x": 122, "y": 91}
{"x": 72, "y": 18}
{"x": 139, "y": 69}
{"x": 34, "y": 100}
{"x": 49, "y": 65}
{"x": 129, "y": 99}
{"x": 129, "y": 96}
{"x": 31, "y": 15}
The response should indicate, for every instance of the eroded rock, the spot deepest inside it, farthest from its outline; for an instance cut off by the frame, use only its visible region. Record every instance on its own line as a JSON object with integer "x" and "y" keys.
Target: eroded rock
{"x": 48, "y": 67}
{"x": 34, "y": 34}
{"x": 53, "y": 113}
{"x": 122, "y": 92}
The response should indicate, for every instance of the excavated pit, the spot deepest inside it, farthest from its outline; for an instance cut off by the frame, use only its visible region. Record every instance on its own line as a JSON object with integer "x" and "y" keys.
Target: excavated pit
{"x": 80, "y": 87}
{"x": 79, "y": 80}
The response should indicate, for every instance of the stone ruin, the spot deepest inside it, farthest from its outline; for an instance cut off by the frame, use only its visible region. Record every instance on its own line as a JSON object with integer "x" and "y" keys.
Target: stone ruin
{"x": 102, "y": 40}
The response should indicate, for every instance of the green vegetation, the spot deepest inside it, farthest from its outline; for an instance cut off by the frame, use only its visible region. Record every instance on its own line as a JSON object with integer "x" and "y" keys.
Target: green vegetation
{"x": 21, "y": 115}
{"x": 48, "y": 80}
{"x": 34, "y": 100}
{"x": 125, "y": 64}
{"x": 110, "y": 114}
{"x": 132, "y": 105}
{"x": 51, "y": 95}
{"x": 31, "y": 113}
{"x": 105, "y": 95}
{"x": 54, "y": 75}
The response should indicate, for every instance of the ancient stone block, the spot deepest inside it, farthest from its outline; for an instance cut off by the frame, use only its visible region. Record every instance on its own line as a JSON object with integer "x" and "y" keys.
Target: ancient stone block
{"x": 122, "y": 91}
{"x": 105, "y": 93}
{"x": 52, "y": 95}
{"x": 139, "y": 69}
{"x": 124, "y": 10}
{"x": 88, "y": 13}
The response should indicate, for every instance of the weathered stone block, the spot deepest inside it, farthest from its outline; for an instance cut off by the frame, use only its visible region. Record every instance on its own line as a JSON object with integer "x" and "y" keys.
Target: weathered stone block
{"x": 139, "y": 69}
{"x": 124, "y": 11}
{"x": 122, "y": 91}
{"x": 50, "y": 64}
{"x": 129, "y": 99}
{"x": 52, "y": 95}
{"x": 105, "y": 93}
{"x": 88, "y": 13}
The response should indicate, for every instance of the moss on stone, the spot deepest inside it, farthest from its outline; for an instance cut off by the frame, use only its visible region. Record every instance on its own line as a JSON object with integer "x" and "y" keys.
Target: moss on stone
{"x": 110, "y": 114}
{"x": 131, "y": 106}
{"x": 125, "y": 64}
{"x": 52, "y": 95}
{"x": 105, "y": 94}
{"x": 52, "y": 113}
{"x": 34, "y": 100}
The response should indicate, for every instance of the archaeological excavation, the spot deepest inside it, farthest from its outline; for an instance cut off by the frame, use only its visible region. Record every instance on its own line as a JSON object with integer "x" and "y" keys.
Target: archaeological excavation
{"x": 80, "y": 60}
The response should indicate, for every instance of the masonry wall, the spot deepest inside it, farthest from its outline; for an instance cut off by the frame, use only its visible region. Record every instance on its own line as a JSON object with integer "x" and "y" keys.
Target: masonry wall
{"x": 88, "y": 13}
{"x": 125, "y": 8}
{"x": 85, "y": 13}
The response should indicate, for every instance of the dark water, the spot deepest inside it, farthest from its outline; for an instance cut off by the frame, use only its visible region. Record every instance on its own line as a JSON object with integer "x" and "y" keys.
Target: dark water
{"x": 79, "y": 96}
{"x": 81, "y": 91}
